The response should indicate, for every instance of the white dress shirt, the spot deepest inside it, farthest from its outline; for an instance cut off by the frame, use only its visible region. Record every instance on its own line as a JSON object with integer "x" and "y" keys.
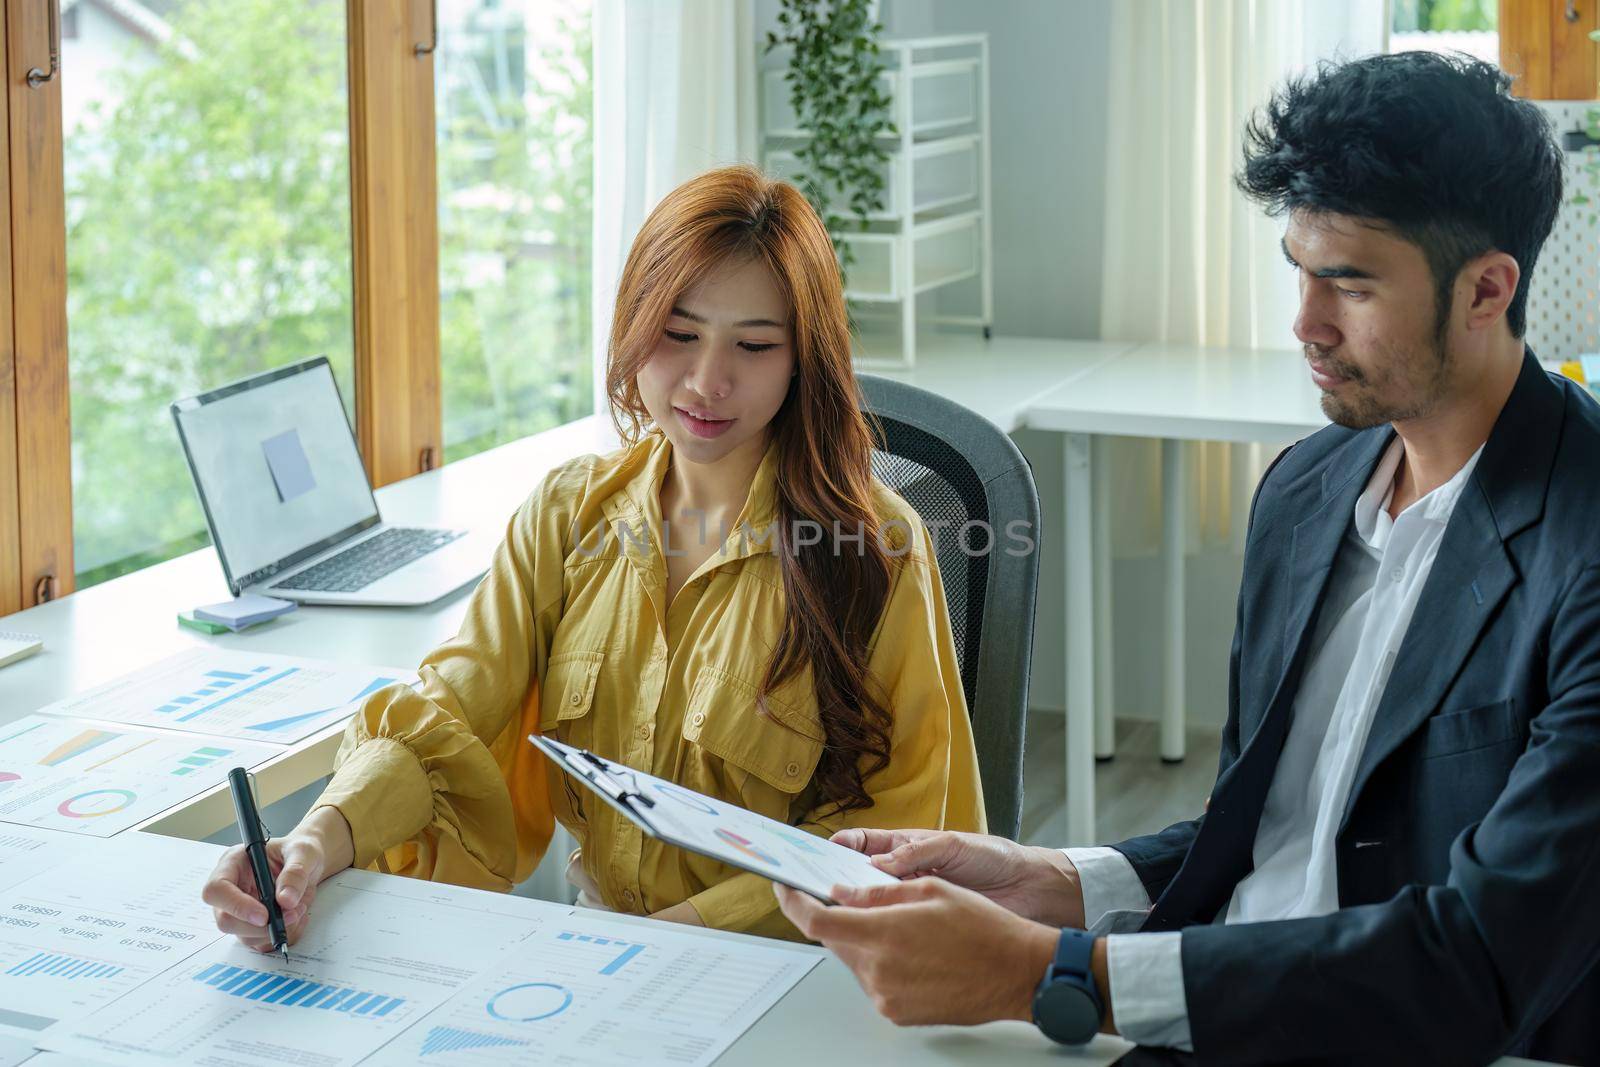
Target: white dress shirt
{"x": 1377, "y": 580}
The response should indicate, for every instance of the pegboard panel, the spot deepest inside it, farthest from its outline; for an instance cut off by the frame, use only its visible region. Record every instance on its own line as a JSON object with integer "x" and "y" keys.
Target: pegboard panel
{"x": 1564, "y": 301}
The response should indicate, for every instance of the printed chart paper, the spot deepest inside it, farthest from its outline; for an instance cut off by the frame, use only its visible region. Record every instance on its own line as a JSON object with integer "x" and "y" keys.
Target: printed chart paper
{"x": 96, "y": 779}
{"x": 594, "y": 991}
{"x": 252, "y": 696}
{"x": 368, "y": 967}
{"x": 101, "y": 925}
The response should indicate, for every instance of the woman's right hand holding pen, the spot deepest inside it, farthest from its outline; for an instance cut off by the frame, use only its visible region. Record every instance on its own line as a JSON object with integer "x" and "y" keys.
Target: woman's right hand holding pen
{"x": 321, "y": 846}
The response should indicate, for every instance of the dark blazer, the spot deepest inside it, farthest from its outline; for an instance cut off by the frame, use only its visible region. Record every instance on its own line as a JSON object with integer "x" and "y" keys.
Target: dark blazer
{"x": 1469, "y": 852}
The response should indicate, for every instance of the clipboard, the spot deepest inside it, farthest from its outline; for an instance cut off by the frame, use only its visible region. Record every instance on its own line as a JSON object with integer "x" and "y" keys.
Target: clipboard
{"x": 712, "y": 827}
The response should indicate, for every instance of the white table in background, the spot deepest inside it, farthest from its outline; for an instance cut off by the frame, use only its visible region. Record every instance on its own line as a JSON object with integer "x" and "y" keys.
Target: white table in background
{"x": 1002, "y": 377}
{"x": 1175, "y": 393}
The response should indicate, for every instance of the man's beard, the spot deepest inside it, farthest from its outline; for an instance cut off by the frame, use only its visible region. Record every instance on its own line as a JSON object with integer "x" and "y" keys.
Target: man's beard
{"x": 1363, "y": 411}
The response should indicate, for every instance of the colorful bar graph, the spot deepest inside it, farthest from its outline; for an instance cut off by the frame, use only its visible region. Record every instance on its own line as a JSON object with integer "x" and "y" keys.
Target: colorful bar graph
{"x": 449, "y": 1039}
{"x": 204, "y": 756}
{"x": 288, "y": 991}
{"x": 45, "y": 963}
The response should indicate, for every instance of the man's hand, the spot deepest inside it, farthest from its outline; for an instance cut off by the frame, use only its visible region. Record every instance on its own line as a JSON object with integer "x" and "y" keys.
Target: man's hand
{"x": 930, "y": 952}
{"x": 1036, "y": 883}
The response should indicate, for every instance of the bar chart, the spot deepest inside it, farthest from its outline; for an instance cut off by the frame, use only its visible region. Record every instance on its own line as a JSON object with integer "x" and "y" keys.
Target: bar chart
{"x": 220, "y": 692}
{"x": 449, "y": 1039}
{"x": 630, "y": 949}
{"x": 289, "y": 991}
{"x": 49, "y": 964}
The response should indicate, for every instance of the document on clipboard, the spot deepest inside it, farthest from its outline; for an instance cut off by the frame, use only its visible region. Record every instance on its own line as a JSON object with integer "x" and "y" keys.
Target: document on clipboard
{"x": 725, "y": 832}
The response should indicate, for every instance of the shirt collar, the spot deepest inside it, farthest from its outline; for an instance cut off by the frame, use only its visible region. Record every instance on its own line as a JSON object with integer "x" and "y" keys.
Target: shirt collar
{"x": 1373, "y": 523}
{"x": 640, "y": 503}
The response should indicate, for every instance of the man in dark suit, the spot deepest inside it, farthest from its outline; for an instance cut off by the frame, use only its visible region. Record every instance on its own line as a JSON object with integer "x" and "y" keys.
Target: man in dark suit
{"x": 1400, "y": 859}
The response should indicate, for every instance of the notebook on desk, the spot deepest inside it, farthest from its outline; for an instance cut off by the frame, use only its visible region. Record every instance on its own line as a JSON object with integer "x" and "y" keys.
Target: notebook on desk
{"x": 15, "y": 646}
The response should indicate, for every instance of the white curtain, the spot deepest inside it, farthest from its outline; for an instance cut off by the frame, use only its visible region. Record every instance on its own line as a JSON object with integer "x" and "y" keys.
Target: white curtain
{"x": 1187, "y": 259}
{"x": 674, "y": 95}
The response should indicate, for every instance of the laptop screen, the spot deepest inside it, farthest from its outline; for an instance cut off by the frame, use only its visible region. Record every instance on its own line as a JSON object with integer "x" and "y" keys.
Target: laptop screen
{"x": 276, "y": 467}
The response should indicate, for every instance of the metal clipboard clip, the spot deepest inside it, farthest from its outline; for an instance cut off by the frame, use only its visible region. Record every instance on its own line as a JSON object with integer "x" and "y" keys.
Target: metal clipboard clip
{"x": 615, "y": 781}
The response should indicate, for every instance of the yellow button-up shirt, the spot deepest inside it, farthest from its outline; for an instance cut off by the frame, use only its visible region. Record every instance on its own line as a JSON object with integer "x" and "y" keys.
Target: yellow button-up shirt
{"x": 570, "y": 634}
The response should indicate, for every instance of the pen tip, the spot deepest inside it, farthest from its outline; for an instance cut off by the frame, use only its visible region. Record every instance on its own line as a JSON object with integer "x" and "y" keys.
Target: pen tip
{"x": 285, "y": 953}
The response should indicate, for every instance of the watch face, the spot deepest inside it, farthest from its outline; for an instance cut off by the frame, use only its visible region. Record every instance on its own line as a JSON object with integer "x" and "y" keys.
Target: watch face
{"x": 1066, "y": 1013}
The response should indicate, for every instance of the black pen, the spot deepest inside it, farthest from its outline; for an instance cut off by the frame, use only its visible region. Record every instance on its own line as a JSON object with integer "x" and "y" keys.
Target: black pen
{"x": 255, "y": 846}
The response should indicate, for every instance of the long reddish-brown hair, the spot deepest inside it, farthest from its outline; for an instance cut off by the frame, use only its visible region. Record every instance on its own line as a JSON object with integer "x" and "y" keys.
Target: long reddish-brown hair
{"x": 834, "y": 596}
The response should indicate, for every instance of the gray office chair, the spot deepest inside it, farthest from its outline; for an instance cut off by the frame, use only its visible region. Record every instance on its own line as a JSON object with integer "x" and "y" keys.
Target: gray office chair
{"x": 955, "y": 467}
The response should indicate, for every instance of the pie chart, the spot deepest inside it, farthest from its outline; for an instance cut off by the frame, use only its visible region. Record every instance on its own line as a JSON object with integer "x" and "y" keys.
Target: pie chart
{"x": 96, "y": 802}
{"x": 8, "y": 779}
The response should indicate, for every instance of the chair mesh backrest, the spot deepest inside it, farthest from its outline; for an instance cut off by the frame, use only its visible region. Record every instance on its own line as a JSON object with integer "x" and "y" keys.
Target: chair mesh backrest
{"x": 937, "y": 481}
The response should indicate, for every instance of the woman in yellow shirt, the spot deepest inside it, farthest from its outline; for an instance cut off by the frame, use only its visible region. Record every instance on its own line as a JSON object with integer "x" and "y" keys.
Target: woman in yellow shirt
{"x": 732, "y": 602}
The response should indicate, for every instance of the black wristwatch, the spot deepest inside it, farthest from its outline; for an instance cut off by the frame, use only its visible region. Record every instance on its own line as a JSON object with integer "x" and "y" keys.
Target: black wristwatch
{"x": 1068, "y": 1007}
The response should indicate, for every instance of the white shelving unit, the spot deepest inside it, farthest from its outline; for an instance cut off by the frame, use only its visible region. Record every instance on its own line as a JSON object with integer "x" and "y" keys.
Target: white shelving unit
{"x": 934, "y": 229}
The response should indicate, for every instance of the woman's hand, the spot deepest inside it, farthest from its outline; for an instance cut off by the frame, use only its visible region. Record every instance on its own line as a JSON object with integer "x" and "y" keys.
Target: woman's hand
{"x": 322, "y": 845}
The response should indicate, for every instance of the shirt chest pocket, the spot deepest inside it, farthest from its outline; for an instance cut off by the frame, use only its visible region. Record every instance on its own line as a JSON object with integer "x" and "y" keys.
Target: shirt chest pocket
{"x": 566, "y": 696}
{"x": 733, "y": 750}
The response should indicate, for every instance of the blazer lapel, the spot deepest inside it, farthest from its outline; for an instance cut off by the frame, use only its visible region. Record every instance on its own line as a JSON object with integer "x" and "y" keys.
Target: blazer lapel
{"x": 1313, "y": 547}
{"x": 1471, "y": 575}
{"x": 1473, "y": 571}
{"x": 1221, "y": 852}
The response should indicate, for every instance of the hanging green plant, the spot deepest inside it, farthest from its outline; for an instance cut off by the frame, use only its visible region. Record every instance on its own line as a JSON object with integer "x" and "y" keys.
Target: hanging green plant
{"x": 834, "y": 88}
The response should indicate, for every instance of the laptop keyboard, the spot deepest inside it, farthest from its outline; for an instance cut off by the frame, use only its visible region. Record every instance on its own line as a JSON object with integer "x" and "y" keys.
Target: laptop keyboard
{"x": 360, "y": 565}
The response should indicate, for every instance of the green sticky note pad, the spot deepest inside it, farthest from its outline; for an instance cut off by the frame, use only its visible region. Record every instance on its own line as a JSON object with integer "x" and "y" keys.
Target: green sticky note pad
{"x": 187, "y": 619}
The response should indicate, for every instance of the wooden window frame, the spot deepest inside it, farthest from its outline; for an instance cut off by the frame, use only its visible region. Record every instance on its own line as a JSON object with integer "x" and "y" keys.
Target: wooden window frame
{"x": 394, "y": 265}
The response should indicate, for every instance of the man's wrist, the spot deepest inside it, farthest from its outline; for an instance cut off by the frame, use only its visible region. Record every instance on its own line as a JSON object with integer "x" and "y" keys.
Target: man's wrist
{"x": 1037, "y": 952}
{"x": 1060, "y": 891}
{"x": 1100, "y": 966}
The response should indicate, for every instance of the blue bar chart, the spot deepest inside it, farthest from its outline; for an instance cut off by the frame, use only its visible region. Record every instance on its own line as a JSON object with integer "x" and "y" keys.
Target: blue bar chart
{"x": 224, "y": 693}
{"x": 449, "y": 1039}
{"x": 629, "y": 949}
{"x": 51, "y": 965}
{"x": 289, "y": 991}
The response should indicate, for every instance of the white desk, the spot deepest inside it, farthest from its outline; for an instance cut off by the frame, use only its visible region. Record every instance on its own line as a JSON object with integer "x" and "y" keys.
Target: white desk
{"x": 130, "y": 622}
{"x": 1176, "y": 393}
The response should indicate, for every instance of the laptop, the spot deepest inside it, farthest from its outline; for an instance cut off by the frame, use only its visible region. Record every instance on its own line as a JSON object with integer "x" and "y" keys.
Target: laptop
{"x": 288, "y": 502}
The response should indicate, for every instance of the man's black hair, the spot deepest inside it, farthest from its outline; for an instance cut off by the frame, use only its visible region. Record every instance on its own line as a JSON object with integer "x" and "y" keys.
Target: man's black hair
{"x": 1433, "y": 147}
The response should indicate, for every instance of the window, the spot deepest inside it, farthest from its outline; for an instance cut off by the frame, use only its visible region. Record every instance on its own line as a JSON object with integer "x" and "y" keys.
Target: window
{"x": 206, "y": 158}
{"x": 513, "y": 110}
{"x": 1470, "y": 26}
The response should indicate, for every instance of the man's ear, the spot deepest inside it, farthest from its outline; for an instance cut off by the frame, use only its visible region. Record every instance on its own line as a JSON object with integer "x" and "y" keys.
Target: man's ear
{"x": 1489, "y": 283}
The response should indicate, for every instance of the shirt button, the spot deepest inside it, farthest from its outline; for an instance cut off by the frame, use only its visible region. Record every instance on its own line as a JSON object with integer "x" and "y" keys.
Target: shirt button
{"x": 1398, "y": 574}
{"x": 792, "y": 770}
{"x": 576, "y": 699}
{"x": 627, "y": 897}
{"x": 698, "y": 717}
{"x": 644, "y": 731}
